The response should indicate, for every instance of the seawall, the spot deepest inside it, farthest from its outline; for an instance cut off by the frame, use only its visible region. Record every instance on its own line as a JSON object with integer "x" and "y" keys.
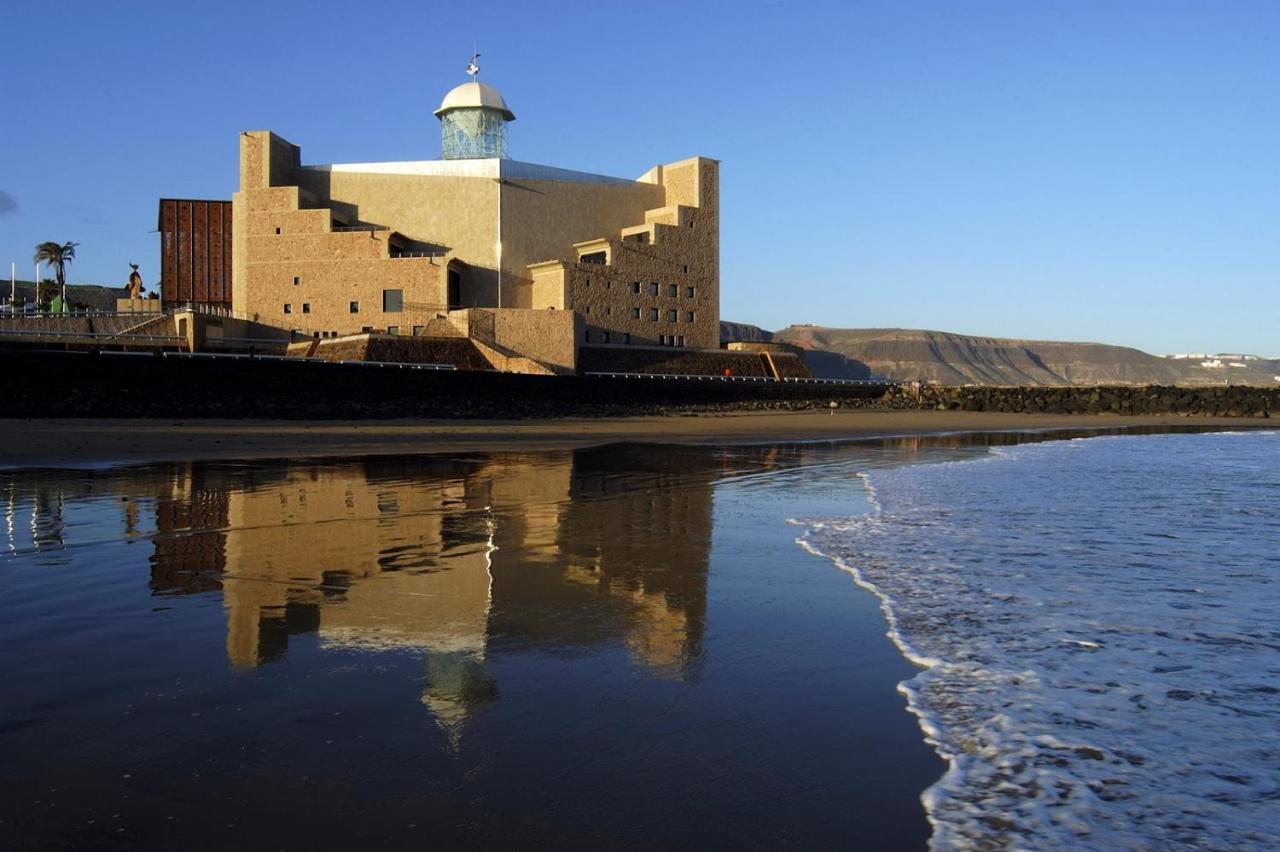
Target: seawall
{"x": 77, "y": 384}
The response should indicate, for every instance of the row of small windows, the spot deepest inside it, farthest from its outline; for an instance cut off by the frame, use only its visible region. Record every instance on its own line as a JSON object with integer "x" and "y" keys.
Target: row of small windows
{"x": 392, "y": 303}
{"x": 672, "y": 315}
{"x": 673, "y": 290}
{"x": 590, "y": 336}
{"x": 393, "y": 330}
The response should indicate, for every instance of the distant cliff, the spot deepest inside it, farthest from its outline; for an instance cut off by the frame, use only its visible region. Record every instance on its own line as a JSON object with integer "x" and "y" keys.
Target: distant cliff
{"x": 958, "y": 359}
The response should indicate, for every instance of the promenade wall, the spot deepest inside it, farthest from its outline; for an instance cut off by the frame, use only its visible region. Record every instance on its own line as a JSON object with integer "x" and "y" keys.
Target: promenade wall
{"x": 73, "y": 384}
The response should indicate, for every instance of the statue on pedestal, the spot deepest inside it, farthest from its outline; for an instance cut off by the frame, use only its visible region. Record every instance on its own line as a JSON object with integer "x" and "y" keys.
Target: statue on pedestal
{"x": 135, "y": 283}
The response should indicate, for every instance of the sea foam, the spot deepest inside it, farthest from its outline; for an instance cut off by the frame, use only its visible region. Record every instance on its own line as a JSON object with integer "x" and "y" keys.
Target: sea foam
{"x": 1096, "y": 623}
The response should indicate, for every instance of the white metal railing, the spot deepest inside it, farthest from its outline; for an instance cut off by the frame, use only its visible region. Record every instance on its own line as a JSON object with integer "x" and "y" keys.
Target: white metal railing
{"x": 713, "y": 378}
{"x": 93, "y": 334}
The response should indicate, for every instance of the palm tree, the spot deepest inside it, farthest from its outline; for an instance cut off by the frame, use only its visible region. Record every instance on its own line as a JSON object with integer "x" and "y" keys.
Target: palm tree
{"x": 57, "y": 256}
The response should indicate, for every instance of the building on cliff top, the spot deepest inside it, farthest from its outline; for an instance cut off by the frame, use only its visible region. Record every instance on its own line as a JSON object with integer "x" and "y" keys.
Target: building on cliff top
{"x": 529, "y": 262}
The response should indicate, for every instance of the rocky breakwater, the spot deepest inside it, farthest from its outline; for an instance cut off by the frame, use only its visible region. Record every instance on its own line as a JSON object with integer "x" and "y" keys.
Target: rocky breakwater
{"x": 1234, "y": 401}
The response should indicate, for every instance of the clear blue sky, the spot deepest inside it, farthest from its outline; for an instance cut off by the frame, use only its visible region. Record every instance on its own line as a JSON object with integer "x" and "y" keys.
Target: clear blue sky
{"x": 1103, "y": 170}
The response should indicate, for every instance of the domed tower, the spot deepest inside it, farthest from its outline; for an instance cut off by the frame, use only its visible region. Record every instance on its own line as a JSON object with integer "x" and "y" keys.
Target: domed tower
{"x": 473, "y": 121}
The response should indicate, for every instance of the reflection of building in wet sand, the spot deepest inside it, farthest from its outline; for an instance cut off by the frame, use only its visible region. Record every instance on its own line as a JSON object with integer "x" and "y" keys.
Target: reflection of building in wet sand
{"x": 448, "y": 558}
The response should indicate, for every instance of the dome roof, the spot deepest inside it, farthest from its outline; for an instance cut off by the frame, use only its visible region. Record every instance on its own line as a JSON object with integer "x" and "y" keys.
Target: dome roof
{"x": 475, "y": 94}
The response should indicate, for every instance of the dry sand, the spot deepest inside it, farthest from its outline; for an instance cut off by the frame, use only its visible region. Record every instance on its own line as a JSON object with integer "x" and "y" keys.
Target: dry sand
{"x": 58, "y": 443}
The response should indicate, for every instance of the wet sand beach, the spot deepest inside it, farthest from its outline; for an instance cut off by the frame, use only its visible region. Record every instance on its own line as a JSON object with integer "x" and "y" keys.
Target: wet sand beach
{"x": 55, "y": 443}
{"x": 611, "y": 647}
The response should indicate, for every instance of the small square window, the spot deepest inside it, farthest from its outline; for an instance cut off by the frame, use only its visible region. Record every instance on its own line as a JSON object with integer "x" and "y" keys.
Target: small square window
{"x": 688, "y": 292}
{"x": 316, "y": 334}
{"x": 688, "y": 316}
{"x": 354, "y": 307}
{"x": 297, "y": 280}
{"x": 671, "y": 315}
{"x": 366, "y": 328}
{"x": 673, "y": 290}
{"x": 653, "y": 288}
{"x": 417, "y": 330}
{"x": 277, "y": 230}
{"x": 288, "y": 308}
{"x": 635, "y": 312}
{"x": 393, "y": 330}
{"x": 392, "y": 301}
{"x": 635, "y": 286}
{"x": 306, "y": 307}
{"x": 653, "y": 315}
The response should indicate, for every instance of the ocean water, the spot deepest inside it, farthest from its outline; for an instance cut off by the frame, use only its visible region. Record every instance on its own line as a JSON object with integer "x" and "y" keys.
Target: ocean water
{"x": 1097, "y": 624}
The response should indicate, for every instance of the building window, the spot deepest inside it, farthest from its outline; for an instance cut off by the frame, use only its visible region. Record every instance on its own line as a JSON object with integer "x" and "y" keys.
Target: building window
{"x": 653, "y": 288}
{"x": 608, "y": 285}
{"x": 277, "y": 230}
{"x": 635, "y": 312}
{"x": 355, "y": 307}
{"x": 288, "y": 308}
{"x": 653, "y": 314}
{"x": 673, "y": 291}
{"x": 586, "y": 282}
{"x": 671, "y": 315}
{"x": 417, "y": 330}
{"x": 393, "y": 330}
{"x": 366, "y": 328}
{"x": 594, "y": 257}
{"x": 688, "y": 316}
{"x": 392, "y": 301}
{"x": 635, "y": 286}
{"x": 586, "y": 309}
{"x": 681, "y": 339}
{"x": 604, "y": 337}
{"x": 626, "y": 337}
{"x": 688, "y": 292}
{"x": 297, "y": 280}
{"x": 686, "y": 269}
{"x": 306, "y": 307}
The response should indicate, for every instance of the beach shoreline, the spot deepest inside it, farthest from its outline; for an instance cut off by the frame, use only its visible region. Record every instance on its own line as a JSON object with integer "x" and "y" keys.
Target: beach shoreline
{"x": 79, "y": 442}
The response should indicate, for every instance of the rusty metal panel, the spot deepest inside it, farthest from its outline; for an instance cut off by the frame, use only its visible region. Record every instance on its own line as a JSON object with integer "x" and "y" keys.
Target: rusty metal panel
{"x": 200, "y": 252}
{"x": 168, "y": 251}
{"x": 213, "y": 286}
{"x": 195, "y": 252}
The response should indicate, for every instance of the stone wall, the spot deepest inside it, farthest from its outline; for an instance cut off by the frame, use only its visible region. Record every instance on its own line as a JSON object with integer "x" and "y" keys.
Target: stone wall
{"x": 1235, "y": 401}
{"x": 655, "y": 360}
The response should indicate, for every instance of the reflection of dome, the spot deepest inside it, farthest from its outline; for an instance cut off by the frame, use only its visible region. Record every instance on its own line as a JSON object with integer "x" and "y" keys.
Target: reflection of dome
{"x": 475, "y": 95}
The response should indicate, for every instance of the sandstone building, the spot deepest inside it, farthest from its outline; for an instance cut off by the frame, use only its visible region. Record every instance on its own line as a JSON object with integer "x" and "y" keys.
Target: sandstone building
{"x": 530, "y": 262}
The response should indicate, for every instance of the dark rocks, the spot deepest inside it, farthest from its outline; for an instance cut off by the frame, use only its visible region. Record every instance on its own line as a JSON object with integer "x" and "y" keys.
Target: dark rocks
{"x": 1234, "y": 401}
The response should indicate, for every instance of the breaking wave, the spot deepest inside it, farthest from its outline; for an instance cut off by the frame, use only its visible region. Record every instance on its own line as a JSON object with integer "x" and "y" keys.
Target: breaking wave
{"x": 1097, "y": 626}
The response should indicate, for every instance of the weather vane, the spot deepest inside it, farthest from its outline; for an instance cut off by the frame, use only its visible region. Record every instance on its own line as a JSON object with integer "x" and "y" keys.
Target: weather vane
{"x": 472, "y": 68}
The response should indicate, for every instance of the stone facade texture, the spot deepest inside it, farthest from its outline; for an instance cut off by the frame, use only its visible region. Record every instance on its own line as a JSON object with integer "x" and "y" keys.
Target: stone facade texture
{"x": 327, "y": 251}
